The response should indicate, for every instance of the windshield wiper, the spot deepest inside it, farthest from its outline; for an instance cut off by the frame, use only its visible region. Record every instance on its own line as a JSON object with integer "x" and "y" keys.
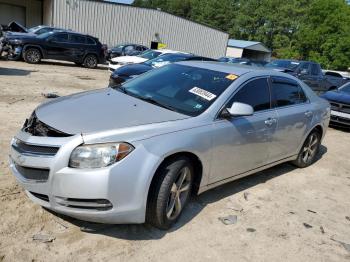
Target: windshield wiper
{"x": 155, "y": 102}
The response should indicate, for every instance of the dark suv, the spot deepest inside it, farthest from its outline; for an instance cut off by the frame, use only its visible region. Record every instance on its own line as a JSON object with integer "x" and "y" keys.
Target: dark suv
{"x": 310, "y": 73}
{"x": 63, "y": 45}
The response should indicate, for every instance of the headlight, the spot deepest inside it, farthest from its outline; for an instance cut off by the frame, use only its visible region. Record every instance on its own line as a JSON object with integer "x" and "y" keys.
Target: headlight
{"x": 99, "y": 155}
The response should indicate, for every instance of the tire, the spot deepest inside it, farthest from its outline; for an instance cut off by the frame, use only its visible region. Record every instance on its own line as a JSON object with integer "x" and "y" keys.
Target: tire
{"x": 309, "y": 150}
{"x": 165, "y": 201}
{"x": 90, "y": 61}
{"x": 32, "y": 56}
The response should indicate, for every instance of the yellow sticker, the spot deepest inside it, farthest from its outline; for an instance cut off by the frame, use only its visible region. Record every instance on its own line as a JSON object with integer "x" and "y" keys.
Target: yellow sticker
{"x": 231, "y": 77}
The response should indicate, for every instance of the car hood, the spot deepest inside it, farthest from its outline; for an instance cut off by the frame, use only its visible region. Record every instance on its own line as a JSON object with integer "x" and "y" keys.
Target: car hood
{"x": 134, "y": 69}
{"x": 337, "y": 96}
{"x": 129, "y": 59}
{"x": 101, "y": 110}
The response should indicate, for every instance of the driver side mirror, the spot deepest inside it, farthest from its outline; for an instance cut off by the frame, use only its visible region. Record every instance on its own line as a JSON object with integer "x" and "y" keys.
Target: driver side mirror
{"x": 238, "y": 109}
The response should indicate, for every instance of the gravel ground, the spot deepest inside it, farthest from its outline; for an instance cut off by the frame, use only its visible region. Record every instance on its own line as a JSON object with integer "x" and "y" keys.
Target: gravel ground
{"x": 283, "y": 213}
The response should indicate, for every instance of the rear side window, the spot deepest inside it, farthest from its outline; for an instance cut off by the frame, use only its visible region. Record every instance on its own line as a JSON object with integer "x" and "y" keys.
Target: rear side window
{"x": 60, "y": 38}
{"x": 77, "y": 39}
{"x": 255, "y": 93}
{"x": 90, "y": 41}
{"x": 286, "y": 92}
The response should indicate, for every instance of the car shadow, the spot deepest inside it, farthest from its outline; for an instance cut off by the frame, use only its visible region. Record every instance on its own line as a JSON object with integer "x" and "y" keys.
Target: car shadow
{"x": 136, "y": 232}
{"x": 71, "y": 64}
{"x": 14, "y": 72}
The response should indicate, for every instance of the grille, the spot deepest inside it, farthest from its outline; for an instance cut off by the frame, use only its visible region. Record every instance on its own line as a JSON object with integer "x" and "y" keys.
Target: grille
{"x": 40, "y": 196}
{"x": 340, "y": 120}
{"x": 35, "y": 174}
{"x": 24, "y": 148}
{"x": 340, "y": 107}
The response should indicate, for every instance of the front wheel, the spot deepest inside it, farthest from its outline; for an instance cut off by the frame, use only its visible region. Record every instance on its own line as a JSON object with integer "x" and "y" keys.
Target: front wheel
{"x": 32, "y": 56}
{"x": 170, "y": 192}
{"x": 90, "y": 61}
{"x": 308, "y": 152}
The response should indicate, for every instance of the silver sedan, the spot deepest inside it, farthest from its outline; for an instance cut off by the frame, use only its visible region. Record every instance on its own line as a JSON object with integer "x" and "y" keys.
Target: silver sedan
{"x": 135, "y": 152}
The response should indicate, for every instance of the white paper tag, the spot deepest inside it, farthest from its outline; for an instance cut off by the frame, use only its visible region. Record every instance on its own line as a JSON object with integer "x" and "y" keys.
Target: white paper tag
{"x": 202, "y": 93}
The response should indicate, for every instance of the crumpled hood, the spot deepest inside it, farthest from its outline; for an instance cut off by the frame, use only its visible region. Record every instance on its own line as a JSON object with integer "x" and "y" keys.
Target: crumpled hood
{"x": 337, "y": 96}
{"x": 101, "y": 110}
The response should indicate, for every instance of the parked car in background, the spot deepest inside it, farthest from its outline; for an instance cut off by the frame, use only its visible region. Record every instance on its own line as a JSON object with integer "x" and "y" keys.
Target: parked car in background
{"x": 125, "y": 50}
{"x": 61, "y": 45}
{"x": 127, "y": 72}
{"x": 241, "y": 61}
{"x": 117, "y": 62}
{"x": 136, "y": 152}
{"x": 309, "y": 72}
{"x": 340, "y": 105}
{"x": 17, "y": 34}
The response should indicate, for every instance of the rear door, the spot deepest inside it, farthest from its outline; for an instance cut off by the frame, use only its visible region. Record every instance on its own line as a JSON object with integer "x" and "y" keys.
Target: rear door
{"x": 294, "y": 113}
{"x": 78, "y": 47}
{"x": 242, "y": 144}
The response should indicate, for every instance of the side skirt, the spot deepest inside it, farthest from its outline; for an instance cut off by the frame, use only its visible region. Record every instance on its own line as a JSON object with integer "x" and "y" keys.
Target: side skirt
{"x": 250, "y": 172}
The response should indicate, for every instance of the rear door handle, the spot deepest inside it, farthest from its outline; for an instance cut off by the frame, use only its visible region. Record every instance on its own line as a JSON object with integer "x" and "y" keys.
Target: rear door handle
{"x": 270, "y": 121}
{"x": 308, "y": 113}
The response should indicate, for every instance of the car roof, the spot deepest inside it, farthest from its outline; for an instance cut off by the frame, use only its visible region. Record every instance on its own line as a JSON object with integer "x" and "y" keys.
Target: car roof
{"x": 236, "y": 69}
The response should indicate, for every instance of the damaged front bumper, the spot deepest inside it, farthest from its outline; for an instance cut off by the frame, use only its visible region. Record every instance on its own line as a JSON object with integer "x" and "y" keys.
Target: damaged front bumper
{"x": 114, "y": 194}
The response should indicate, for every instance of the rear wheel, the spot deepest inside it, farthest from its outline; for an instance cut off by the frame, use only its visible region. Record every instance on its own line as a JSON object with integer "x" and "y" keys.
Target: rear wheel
{"x": 170, "y": 192}
{"x": 90, "y": 61}
{"x": 308, "y": 152}
{"x": 32, "y": 56}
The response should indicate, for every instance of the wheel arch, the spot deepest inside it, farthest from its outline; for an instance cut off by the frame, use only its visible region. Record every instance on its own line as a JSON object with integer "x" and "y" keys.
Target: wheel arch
{"x": 27, "y": 46}
{"x": 197, "y": 167}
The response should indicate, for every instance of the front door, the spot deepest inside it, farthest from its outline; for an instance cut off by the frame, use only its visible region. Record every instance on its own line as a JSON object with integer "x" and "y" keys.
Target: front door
{"x": 57, "y": 46}
{"x": 241, "y": 144}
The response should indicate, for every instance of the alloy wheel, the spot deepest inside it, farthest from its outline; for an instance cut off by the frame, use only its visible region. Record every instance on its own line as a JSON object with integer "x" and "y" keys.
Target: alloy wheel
{"x": 90, "y": 62}
{"x": 178, "y": 193}
{"x": 310, "y": 148}
{"x": 33, "y": 56}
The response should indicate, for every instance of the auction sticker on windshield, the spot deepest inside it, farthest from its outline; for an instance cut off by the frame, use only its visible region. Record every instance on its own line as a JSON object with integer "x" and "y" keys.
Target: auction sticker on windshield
{"x": 202, "y": 93}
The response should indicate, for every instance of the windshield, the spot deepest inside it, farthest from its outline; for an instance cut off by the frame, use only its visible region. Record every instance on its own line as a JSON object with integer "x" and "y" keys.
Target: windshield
{"x": 184, "y": 89}
{"x": 149, "y": 54}
{"x": 283, "y": 64}
{"x": 345, "y": 88}
{"x": 165, "y": 59}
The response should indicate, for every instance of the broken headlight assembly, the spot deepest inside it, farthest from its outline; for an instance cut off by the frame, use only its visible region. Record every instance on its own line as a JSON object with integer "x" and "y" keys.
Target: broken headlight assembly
{"x": 99, "y": 155}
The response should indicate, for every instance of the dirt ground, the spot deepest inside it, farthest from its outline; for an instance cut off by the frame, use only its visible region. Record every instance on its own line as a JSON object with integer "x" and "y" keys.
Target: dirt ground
{"x": 284, "y": 213}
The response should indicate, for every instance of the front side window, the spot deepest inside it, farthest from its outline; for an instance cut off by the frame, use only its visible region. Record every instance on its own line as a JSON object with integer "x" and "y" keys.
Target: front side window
{"x": 286, "y": 92}
{"x": 77, "y": 39}
{"x": 60, "y": 38}
{"x": 255, "y": 93}
{"x": 128, "y": 48}
{"x": 184, "y": 89}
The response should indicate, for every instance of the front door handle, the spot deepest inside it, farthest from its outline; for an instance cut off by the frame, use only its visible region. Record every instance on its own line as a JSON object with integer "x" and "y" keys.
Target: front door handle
{"x": 270, "y": 121}
{"x": 308, "y": 113}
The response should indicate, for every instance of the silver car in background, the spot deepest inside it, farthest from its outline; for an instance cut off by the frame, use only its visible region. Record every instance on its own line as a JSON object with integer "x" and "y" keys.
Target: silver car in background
{"x": 135, "y": 152}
